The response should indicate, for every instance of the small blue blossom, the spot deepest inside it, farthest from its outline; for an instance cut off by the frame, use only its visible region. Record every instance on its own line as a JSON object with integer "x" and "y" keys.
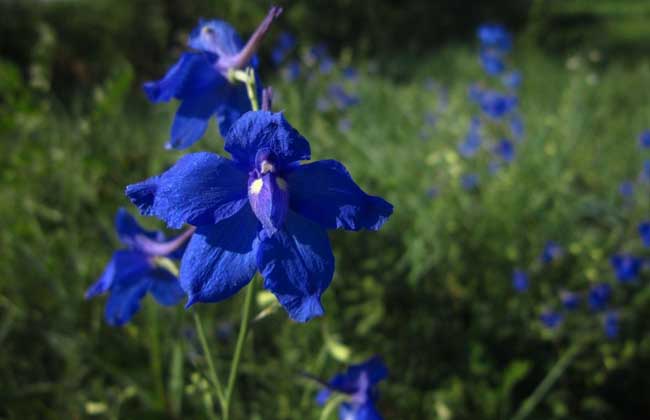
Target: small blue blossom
{"x": 469, "y": 181}
{"x": 340, "y": 97}
{"x": 199, "y": 80}
{"x": 599, "y": 296}
{"x": 552, "y": 251}
{"x": 512, "y": 80}
{"x": 262, "y": 210}
{"x": 326, "y": 65}
{"x": 644, "y": 139}
{"x": 492, "y": 62}
{"x": 291, "y": 71}
{"x": 134, "y": 270}
{"x": 626, "y": 267}
{"x": 285, "y": 43}
{"x": 517, "y": 127}
{"x": 494, "y": 104}
{"x": 611, "y": 324}
{"x": 570, "y": 300}
{"x": 505, "y": 149}
{"x": 644, "y": 233}
{"x": 359, "y": 383}
{"x": 551, "y": 319}
{"x": 350, "y": 73}
{"x": 472, "y": 143}
{"x": 344, "y": 125}
{"x": 520, "y": 280}
{"x": 626, "y": 189}
{"x": 494, "y": 36}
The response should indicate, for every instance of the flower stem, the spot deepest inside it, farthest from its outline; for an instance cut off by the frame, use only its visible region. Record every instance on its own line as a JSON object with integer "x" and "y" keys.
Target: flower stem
{"x": 547, "y": 383}
{"x": 247, "y": 77}
{"x": 155, "y": 360}
{"x": 241, "y": 338}
{"x": 212, "y": 372}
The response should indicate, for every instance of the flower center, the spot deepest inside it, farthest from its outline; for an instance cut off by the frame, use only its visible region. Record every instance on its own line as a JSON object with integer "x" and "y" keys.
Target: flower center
{"x": 268, "y": 194}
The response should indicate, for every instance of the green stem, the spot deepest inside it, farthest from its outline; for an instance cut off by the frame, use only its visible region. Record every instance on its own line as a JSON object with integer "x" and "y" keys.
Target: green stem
{"x": 212, "y": 372}
{"x": 248, "y": 78}
{"x": 241, "y": 338}
{"x": 547, "y": 383}
{"x": 155, "y": 359}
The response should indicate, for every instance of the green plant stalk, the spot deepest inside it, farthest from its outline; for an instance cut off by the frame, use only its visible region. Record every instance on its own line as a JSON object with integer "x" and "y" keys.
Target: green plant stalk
{"x": 547, "y": 383}
{"x": 241, "y": 338}
{"x": 212, "y": 372}
{"x": 248, "y": 78}
{"x": 155, "y": 359}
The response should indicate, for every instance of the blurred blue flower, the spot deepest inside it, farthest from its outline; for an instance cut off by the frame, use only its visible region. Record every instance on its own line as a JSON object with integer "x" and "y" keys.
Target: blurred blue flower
{"x": 199, "y": 80}
{"x": 359, "y": 382}
{"x": 135, "y": 270}
{"x": 551, "y": 319}
{"x": 626, "y": 189}
{"x": 494, "y": 104}
{"x": 505, "y": 149}
{"x": 599, "y": 296}
{"x": 644, "y": 139}
{"x": 283, "y": 46}
{"x": 517, "y": 127}
{"x": 344, "y": 125}
{"x": 472, "y": 143}
{"x": 326, "y": 65}
{"x": 512, "y": 80}
{"x": 262, "y": 210}
{"x": 520, "y": 280}
{"x": 317, "y": 53}
{"x": 611, "y": 324}
{"x": 570, "y": 300}
{"x": 469, "y": 181}
{"x": 552, "y": 251}
{"x": 626, "y": 267}
{"x": 350, "y": 73}
{"x": 492, "y": 62}
{"x": 340, "y": 97}
{"x": 291, "y": 71}
{"x": 644, "y": 232}
{"x": 494, "y": 36}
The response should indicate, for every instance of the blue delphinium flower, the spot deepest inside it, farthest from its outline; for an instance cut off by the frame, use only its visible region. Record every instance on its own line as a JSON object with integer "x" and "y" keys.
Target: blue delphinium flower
{"x": 551, "y": 252}
{"x": 283, "y": 46}
{"x": 551, "y": 319}
{"x": 570, "y": 300}
{"x": 134, "y": 270}
{"x": 469, "y": 181}
{"x": 644, "y": 139}
{"x": 520, "y": 280}
{"x": 626, "y": 267}
{"x": 262, "y": 210}
{"x": 505, "y": 149}
{"x": 599, "y": 296}
{"x": 494, "y": 104}
{"x": 359, "y": 383}
{"x": 512, "y": 80}
{"x": 492, "y": 62}
{"x": 611, "y": 324}
{"x": 626, "y": 189}
{"x": 644, "y": 232}
{"x": 199, "y": 80}
{"x": 472, "y": 143}
{"x": 291, "y": 71}
{"x": 494, "y": 36}
{"x": 340, "y": 97}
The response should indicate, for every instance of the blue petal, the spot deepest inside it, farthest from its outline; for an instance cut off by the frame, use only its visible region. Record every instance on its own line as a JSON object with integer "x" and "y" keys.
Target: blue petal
{"x": 263, "y": 130}
{"x": 366, "y": 411}
{"x": 124, "y": 300}
{"x": 270, "y": 201}
{"x": 123, "y": 265}
{"x": 234, "y": 106}
{"x": 192, "y": 118}
{"x": 220, "y": 259}
{"x": 128, "y": 229}
{"x": 297, "y": 265}
{"x": 322, "y": 396}
{"x": 191, "y": 74}
{"x": 165, "y": 287}
{"x": 325, "y": 192}
{"x": 202, "y": 188}
{"x": 215, "y": 36}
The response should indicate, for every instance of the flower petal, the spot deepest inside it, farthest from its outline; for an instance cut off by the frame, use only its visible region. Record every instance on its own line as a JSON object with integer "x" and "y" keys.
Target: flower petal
{"x": 192, "y": 118}
{"x": 365, "y": 411}
{"x": 200, "y": 189}
{"x": 128, "y": 229}
{"x": 215, "y": 36}
{"x": 220, "y": 258}
{"x": 263, "y": 130}
{"x": 234, "y": 106}
{"x": 191, "y": 74}
{"x": 324, "y": 192}
{"x": 124, "y": 300}
{"x": 297, "y": 265}
{"x": 123, "y": 265}
{"x": 165, "y": 287}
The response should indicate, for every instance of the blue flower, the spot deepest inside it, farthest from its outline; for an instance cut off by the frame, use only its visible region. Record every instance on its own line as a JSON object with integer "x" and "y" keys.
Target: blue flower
{"x": 626, "y": 267}
{"x": 626, "y": 189}
{"x": 644, "y": 232}
{"x": 472, "y": 143}
{"x": 359, "y": 384}
{"x": 645, "y": 172}
{"x": 520, "y": 280}
{"x": 517, "y": 127}
{"x": 135, "y": 270}
{"x": 570, "y": 300}
{"x": 552, "y": 251}
{"x": 492, "y": 62}
{"x": 292, "y": 71}
{"x": 199, "y": 80}
{"x": 551, "y": 319}
{"x": 494, "y": 104}
{"x": 285, "y": 43}
{"x": 644, "y": 139}
{"x": 469, "y": 181}
{"x": 494, "y": 36}
{"x": 512, "y": 79}
{"x": 505, "y": 149}
{"x": 599, "y": 296}
{"x": 263, "y": 211}
{"x": 340, "y": 97}
{"x": 350, "y": 73}
{"x": 611, "y": 324}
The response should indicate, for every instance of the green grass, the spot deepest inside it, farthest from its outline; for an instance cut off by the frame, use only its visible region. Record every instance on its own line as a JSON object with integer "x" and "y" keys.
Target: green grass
{"x": 430, "y": 292}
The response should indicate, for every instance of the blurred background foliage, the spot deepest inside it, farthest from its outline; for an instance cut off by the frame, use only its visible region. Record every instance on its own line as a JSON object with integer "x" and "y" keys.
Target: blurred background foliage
{"x": 431, "y": 292}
